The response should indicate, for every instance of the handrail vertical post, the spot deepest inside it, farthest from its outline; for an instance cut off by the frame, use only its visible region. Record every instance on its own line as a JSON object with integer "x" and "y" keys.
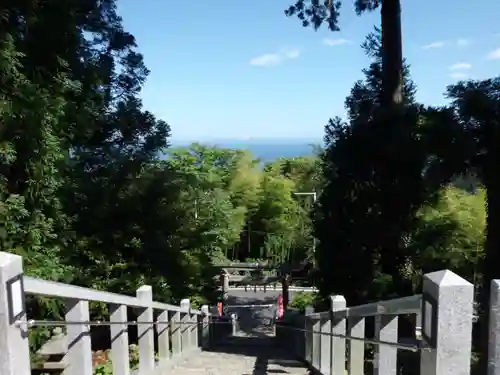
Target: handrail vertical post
{"x": 175, "y": 319}
{"x": 308, "y": 335}
{"x": 163, "y": 331}
{"x": 119, "y": 340}
{"x": 356, "y": 351}
{"x": 494, "y": 328}
{"x": 316, "y": 343}
{"x": 13, "y": 339}
{"x": 386, "y": 329}
{"x": 205, "y": 327}
{"x": 325, "y": 347}
{"x": 337, "y": 355}
{"x": 194, "y": 330}
{"x": 79, "y": 355}
{"x": 145, "y": 332}
{"x": 185, "y": 325}
{"x": 447, "y": 314}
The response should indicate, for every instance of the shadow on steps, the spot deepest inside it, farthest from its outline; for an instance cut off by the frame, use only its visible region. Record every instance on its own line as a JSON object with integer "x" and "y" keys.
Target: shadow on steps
{"x": 270, "y": 358}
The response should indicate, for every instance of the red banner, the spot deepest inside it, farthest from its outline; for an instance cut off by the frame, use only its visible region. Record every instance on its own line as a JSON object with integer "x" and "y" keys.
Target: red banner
{"x": 280, "y": 307}
{"x": 219, "y": 308}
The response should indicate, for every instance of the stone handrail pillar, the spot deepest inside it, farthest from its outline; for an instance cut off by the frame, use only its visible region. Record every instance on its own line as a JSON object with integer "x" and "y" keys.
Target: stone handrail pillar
{"x": 356, "y": 352}
{"x": 175, "y": 320}
{"x": 308, "y": 335}
{"x": 204, "y": 327}
{"x": 447, "y": 315}
{"x": 386, "y": 329}
{"x": 316, "y": 342}
{"x": 145, "y": 332}
{"x": 13, "y": 338}
{"x": 325, "y": 345}
{"x": 338, "y": 344}
{"x": 494, "y": 329}
{"x": 163, "y": 329}
{"x": 119, "y": 339}
{"x": 185, "y": 325}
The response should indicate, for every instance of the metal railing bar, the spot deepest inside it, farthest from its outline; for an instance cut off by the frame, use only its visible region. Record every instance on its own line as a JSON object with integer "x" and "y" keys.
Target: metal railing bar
{"x": 60, "y": 323}
{"x": 55, "y": 323}
{"x": 408, "y": 347}
{"x": 248, "y": 306}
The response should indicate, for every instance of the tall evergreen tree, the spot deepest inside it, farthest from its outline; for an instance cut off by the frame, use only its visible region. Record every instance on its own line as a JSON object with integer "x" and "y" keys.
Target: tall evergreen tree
{"x": 375, "y": 184}
{"x": 316, "y": 12}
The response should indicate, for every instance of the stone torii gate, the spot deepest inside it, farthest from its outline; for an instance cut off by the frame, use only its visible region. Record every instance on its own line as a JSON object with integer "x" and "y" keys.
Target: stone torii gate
{"x": 284, "y": 272}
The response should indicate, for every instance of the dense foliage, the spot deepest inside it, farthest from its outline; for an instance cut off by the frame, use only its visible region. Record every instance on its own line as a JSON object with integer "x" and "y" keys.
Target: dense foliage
{"x": 90, "y": 190}
{"x": 402, "y": 198}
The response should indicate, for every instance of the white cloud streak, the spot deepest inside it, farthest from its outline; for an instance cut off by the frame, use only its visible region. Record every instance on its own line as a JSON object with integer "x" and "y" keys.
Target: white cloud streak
{"x": 276, "y": 58}
{"x": 460, "y": 66}
{"x": 432, "y": 45}
{"x": 335, "y": 42}
{"x": 463, "y": 42}
{"x": 494, "y": 55}
{"x": 459, "y": 76}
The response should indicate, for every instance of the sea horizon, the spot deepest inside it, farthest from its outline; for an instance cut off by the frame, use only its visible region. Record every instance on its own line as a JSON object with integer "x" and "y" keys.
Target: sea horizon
{"x": 265, "y": 149}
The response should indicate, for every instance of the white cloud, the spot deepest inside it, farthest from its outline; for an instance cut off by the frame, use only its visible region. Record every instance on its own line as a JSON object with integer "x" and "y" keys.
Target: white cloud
{"x": 334, "y": 42}
{"x": 459, "y": 76}
{"x": 460, "y": 66}
{"x": 494, "y": 55}
{"x": 463, "y": 42}
{"x": 273, "y": 59}
{"x": 438, "y": 44}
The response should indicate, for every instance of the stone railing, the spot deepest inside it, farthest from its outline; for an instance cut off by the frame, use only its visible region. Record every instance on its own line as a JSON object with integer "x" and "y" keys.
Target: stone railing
{"x": 494, "y": 330}
{"x": 179, "y": 331}
{"x": 333, "y": 342}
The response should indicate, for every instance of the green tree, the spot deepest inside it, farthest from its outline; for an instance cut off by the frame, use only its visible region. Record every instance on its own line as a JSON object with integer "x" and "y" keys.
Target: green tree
{"x": 450, "y": 235}
{"x": 29, "y": 159}
{"x": 477, "y": 108}
{"x": 370, "y": 200}
{"x": 316, "y": 12}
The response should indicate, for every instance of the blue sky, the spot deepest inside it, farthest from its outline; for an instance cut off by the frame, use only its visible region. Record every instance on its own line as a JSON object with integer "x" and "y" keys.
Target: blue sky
{"x": 240, "y": 69}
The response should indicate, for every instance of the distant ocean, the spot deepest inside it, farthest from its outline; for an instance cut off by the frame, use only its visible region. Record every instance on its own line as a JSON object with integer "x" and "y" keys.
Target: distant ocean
{"x": 265, "y": 149}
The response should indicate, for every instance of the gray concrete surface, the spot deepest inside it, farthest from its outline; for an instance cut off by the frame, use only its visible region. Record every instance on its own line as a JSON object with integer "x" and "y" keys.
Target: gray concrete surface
{"x": 253, "y": 350}
{"x": 242, "y": 356}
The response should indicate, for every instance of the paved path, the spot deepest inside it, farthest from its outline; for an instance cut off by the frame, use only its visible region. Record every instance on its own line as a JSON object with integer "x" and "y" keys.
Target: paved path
{"x": 253, "y": 351}
{"x": 242, "y": 356}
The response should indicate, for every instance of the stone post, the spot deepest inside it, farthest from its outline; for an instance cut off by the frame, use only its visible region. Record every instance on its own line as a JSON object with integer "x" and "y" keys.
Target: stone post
{"x": 494, "y": 329}
{"x": 308, "y": 335}
{"x": 205, "y": 327}
{"x": 338, "y": 303}
{"x": 447, "y": 314}
{"x": 175, "y": 324}
{"x": 356, "y": 360}
{"x": 145, "y": 332}
{"x": 325, "y": 344}
{"x": 119, "y": 339}
{"x": 14, "y": 347}
{"x": 234, "y": 324}
{"x": 79, "y": 355}
{"x": 224, "y": 281}
{"x": 386, "y": 329}
{"x": 185, "y": 325}
{"x": 316, "y": 342}
{"x": 163, "y": 331}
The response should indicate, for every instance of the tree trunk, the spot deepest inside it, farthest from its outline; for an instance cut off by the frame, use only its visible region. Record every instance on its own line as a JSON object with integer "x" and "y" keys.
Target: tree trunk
{"x": 390, "y": 124}
{"x": 392, "y": 54}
